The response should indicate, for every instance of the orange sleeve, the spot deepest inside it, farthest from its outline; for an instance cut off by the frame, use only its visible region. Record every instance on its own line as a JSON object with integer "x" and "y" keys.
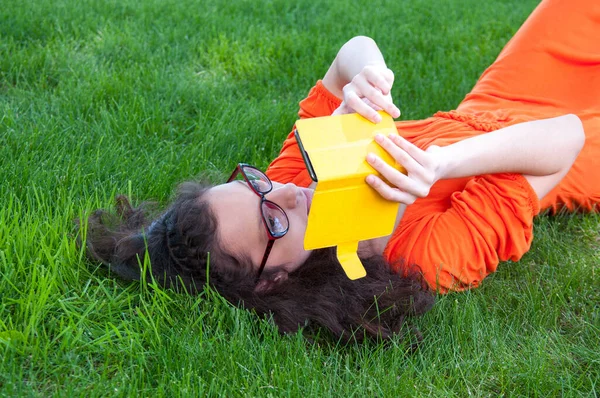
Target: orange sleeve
{"x": 289, "y": 165}
{"x": 491, "y": 220}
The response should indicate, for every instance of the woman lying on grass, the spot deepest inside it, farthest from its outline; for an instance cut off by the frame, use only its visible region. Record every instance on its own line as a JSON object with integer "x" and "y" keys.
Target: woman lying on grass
{"x": 476, "y": 178}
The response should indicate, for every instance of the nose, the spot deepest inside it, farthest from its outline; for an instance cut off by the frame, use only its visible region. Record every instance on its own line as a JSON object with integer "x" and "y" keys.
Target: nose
{"x": 286, "y": 196}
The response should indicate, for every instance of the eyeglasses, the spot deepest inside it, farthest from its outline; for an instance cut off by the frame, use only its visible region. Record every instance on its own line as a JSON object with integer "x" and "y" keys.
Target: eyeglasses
{"x": 274, "y": 218}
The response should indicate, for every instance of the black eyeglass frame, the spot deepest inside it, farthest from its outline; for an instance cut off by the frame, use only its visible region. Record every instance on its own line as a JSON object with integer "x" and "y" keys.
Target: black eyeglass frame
{"x": 240, "y": 169}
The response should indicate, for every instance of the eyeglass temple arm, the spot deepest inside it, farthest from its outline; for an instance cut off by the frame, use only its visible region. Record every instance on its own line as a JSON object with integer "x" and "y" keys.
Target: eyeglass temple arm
{"x": 234, "y": 174}
{"x": 265, "y": 256}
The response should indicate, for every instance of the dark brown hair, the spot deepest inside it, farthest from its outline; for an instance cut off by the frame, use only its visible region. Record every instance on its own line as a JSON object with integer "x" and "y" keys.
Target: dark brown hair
{"x": 184, "y": 250}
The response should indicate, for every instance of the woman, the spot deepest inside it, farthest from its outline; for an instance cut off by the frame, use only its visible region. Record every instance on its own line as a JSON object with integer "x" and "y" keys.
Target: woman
{"x": 476, "y": 178}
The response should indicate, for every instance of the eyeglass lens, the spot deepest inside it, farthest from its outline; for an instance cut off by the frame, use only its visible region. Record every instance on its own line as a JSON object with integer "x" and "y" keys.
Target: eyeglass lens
{"x": 260, "y": 182}
{"x": 275, "y": 218}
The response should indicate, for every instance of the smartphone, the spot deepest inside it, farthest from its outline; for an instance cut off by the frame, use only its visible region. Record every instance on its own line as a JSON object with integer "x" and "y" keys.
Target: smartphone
{"x": 309, "y": 167}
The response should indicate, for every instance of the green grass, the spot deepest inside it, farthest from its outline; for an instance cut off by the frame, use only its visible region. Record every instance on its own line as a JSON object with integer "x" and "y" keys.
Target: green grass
{"x": 105, "y": 97}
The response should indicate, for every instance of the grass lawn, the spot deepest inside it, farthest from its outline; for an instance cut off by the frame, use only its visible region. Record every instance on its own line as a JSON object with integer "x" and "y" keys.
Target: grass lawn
{"x": 106, "y": 97}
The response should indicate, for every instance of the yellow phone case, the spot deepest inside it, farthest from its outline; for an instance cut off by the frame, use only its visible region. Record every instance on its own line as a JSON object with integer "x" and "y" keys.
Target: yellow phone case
{"x": 344, "y": 209}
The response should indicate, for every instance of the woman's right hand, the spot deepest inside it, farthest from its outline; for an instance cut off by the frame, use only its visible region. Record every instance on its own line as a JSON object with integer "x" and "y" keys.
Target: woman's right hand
{"x": 368, "y": 92}
{"x": 423, "y": 169}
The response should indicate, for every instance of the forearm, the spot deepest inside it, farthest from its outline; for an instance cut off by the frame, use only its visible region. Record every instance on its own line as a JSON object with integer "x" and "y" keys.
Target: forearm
{"x": 357, "y": 53}
{"x": 538, "y": 148}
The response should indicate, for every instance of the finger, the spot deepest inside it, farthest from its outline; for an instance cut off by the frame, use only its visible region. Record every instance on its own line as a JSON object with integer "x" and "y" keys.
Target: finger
{"x": 365, "y": 88}
{"x": 401, "y": 157}
{"x": 383, "y": 102}
{"x": 375, "y": 77}
{"x": 389, "y": 193}
{"x": 427, "y": 173}
{"x": 388, "y": 75}
{"x": 390, "y": 107}
{"x": 372, "y": 105}
{"x": 359, "y": 106}
{"x": 398, "y": 179}
{"x": 414, "y": 151}
{"x": 373, "y": 93}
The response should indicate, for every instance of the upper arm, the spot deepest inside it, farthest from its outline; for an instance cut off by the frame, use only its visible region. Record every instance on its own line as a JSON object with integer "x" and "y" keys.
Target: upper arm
{"x": 332, "y": 80}
{"x": 489, "y": 221}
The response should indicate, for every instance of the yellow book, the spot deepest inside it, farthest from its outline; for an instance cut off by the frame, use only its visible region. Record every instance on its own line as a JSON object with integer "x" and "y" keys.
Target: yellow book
{"x": 345, "y": 209}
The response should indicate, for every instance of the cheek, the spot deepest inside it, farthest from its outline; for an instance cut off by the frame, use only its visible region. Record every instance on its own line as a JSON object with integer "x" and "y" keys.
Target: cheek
{"x": 290, "y": 248}
{"x": 297, "y": 235}
{"x": 298, "y": 230}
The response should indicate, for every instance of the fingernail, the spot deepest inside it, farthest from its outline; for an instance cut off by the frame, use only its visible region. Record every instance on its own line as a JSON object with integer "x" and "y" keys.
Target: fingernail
{"x": 370, "y": 158}
{"x": 378, "y": 138}
{"x": 370, "y": 179}
{"x": 377, "y": 118}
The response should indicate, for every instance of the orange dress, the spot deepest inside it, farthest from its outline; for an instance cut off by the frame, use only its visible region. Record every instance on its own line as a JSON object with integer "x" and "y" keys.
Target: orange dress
{"x": 459, "y": 233}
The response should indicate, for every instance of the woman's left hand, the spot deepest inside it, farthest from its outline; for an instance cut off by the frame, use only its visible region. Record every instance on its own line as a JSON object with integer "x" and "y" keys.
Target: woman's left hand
{"x": 368, "y": 92}
{"x": 422, "y": 170}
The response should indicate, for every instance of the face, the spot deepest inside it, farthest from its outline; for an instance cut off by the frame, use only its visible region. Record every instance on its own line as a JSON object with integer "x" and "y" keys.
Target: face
{"x": 241, "y": 229}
